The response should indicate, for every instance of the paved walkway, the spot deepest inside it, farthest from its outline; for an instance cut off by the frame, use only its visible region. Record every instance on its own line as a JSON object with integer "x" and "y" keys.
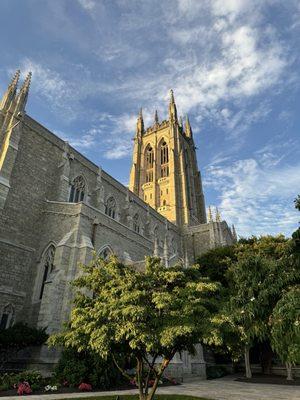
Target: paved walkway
{"x": 219, "y": 389}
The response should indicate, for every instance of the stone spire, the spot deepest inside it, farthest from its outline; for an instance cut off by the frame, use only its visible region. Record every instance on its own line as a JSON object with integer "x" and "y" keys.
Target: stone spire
{"x": 156, "y": 120}
{"x": 234, "y": 233}
{"x": 218, "y": 215}
{"x": 10, "y": 93}
{"x": 210, "y": 217}
{"x": 172, "y": 108}
{"x": 23, "y": 93}
{"x": 140, "y": 123}
{"x": 188, "y": 129}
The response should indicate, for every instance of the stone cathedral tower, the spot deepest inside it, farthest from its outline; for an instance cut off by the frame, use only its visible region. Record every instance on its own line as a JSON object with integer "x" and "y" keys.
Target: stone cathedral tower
{"x": 164, "y": 170}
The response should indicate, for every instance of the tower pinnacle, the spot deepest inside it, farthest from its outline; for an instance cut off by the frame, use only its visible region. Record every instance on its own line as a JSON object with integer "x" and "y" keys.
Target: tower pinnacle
{"x": 218, "y": 215}
{"x": 156, "y": 120}
{"x": 10, "y": 92}
{"x": 172, "y": 108}
{"x": 188, "y": 129}
{"x": 140, "y": 123}
{"x": 23, "y": 94}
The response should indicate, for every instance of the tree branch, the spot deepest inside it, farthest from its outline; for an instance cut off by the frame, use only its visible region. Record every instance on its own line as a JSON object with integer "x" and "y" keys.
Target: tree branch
{"x": 120, "y": 369}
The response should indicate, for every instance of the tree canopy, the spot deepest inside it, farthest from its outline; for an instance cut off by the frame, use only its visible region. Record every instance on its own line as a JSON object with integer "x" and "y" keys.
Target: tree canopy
{"x": 149, "y": 314}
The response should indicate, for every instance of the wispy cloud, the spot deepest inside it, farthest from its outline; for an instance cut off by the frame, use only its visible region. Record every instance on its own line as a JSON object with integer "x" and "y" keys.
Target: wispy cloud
{"x": 255, "y": 197}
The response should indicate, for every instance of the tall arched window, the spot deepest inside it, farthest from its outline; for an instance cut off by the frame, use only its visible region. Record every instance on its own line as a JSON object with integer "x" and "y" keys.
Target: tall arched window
{"x": 136, "y": 223}
{"x": 149, "y": 159}
{"x": 164, "y": 160}
{"x": 7, "y": 317}
{"x": 48, "y": 266}
{"x": 77, "y": 190}
{"x": 110, "y": 207}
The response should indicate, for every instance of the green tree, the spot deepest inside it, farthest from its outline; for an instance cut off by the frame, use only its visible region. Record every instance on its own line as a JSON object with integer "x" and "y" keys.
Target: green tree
{"x": 285, "y": 328}
{"x": 152, "y": 313}
{"x": 264, "y": 267}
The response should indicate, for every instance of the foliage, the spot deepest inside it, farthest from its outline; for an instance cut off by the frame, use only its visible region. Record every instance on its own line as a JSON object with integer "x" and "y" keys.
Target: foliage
{"x": 214, "y": 263}
{"x": 153, "y": 313}
{"x": 285, "y": 326}
{"x": 74, "y": 368}
{"x": 8, "y": 381}
{"x": 261, "y": 269}
{"x": 297, "y": 202}
{"x": 18, "y": 337}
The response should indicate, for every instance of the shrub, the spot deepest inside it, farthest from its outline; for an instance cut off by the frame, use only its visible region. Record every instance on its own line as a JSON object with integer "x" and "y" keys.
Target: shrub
{"x": 85, "y": 387}
{"x": 74, "y": 368}
{"x": 215, "y": 371}
{"x": 9, "y": 381}
{"x": 18, "y": 337}
{"x": 24, "y": 388}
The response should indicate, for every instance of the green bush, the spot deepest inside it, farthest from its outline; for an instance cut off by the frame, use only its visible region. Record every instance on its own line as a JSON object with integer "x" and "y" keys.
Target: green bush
{"x": 34, "y": 378}
{"x": 75, "y": 368}
{"x": 16, "y": 338}
{"x": 215, "y": 371}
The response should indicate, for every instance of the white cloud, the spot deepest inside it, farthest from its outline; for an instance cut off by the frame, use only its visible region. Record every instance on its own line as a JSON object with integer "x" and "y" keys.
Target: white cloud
{"x": 87, "y": 4}
{"x": 256, "y": 198}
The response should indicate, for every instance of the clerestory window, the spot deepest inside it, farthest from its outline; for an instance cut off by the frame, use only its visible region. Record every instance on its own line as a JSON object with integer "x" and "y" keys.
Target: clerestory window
{"x": 77, "y": 191}
{"x": 110, "y": 207}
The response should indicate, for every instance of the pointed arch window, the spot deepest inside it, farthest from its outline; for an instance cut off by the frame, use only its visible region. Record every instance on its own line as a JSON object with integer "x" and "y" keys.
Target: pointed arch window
{"x": 48, "y": 267}
{"x": 110, "y": 207}
{"x": 105, "y": 252}
{"x": 164, "y": 160}
{"x": 7, "y": 317}
{"x": 149, "y": 160}
{"x": 136, "y": 223}
{"x": 77, "y": 191}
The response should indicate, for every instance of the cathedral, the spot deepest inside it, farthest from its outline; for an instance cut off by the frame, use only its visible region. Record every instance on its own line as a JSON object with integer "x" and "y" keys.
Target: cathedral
{"x": 57, "y": 209}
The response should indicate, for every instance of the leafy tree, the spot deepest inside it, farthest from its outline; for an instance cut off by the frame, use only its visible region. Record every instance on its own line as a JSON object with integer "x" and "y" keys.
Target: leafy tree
{"x": 264, "y": 267}
{"x": 297, "y": 202}
{"x": 18, "y": 337}
{"x": 214, "y": 263}
{"x": 152, "y": 313}
{"x": 285, "y": 328}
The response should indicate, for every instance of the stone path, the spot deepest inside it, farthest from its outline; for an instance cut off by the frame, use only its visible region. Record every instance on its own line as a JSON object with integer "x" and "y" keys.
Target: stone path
{"x": 219, "y": 389}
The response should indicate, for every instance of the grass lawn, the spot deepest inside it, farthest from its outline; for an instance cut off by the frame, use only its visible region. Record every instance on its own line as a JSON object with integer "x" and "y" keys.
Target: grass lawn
{"x": 135, "y": 397}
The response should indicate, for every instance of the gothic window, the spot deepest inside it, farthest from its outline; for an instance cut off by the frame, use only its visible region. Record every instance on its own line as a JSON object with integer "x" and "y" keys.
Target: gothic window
{"x": 136, "y": 223}
{"x": 164, "y": 154}
{"x": 77, "y": 190}
{"x": 110, "y": 207}
{"x": 7, "y": 317}
{"x": 149, "y": 159}
{"x": 164, "y": 160}
{"x": 105, "y": 253}
{"x": 48, "y": 267}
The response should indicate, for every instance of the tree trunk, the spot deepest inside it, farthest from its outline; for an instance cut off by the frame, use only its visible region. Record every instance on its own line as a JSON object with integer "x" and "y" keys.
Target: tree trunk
{"x": 157, "y": 379}
{"x": 139, "y": 375}
{"x": 247, "y": 363}
{"x": 289, "y": 373}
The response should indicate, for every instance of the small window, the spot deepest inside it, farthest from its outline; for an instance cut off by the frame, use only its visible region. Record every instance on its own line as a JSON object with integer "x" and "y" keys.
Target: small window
{"x": 167, "y": 191}
{"x": 48, "y": 267}
{"x": 77, "y": 190}
{"x": 7, "y": 317}
{"x": 136, "y": 223}
{"x": 164, "y": 203}
{"x": 110, "y": 207}
{"x": 145, "y": 198}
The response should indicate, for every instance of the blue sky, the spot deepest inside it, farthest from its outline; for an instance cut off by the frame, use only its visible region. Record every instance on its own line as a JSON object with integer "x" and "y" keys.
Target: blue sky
{"x": 233, "y": 66}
